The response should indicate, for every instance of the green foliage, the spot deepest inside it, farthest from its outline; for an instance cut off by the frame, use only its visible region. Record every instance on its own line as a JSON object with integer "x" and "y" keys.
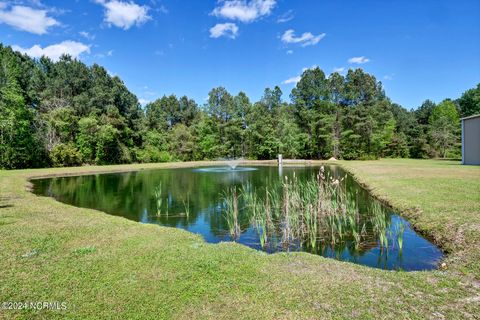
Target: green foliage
{"x": 182, "y": 142}
{"x": 446, "y": 111}
{"x": 17, "y": 143}
{"x": 207, "y": 139}
{"x": 398, "y": 146}
{"x": 444, "y": 127}
{"x": 86, "y": 138}
{"x": 65, "y": 155}
{"x": 469, "y": 102}
{"x": 383, "y": 137}
{"x": 108, "y": 146}
{"x": 291, "y": 140}
{"x": 262, "y": 139}
{"x": 50, "y": 111}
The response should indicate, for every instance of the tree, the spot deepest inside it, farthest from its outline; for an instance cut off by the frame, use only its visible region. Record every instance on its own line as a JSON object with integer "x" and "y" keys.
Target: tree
{"x": 362, "y": 88}
{"x": 261, "y": 135}
{"x": 188, "y": 110}
{"x": 261, "y": 124}
{"x": 445, "y": 123}
{"x": 86, "y": 138}
{"x": 314, "y": 112}
{"x": 469, "y": 102}
{"x": 228, "y": 121}
{"x": 108, "y": 146}
{"x": 424, "y": 111}
{"x": 65, "y": 155}
{"x": 336, "y": 85}
{"x": 155, "y": 147}
{"x": 207, "y": 139}
{"x": 291, "y": 141}
{"x": 66, "y": 113}
{"x": 419, "y": 134}
{"x": 17, "y": 144}
{"x": 156, "y": 114}
{"x": 383, "y": 137}
{"x": 182, "y": 142}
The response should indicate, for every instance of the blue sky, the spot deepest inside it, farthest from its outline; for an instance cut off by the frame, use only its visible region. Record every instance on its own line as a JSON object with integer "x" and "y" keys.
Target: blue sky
{"x": 427, "y": 49}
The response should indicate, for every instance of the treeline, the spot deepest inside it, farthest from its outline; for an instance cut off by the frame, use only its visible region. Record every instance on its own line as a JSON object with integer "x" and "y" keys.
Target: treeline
{"x": 66, "y": 113}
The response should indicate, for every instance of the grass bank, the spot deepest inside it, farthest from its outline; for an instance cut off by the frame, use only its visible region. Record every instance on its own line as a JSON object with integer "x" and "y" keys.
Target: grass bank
{"x": 104, "y": 266}
{"x": 441, "y": 198}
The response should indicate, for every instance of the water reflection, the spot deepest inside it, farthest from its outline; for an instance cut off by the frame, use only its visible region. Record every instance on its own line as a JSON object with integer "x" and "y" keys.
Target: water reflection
{"x": 193, "y": 200}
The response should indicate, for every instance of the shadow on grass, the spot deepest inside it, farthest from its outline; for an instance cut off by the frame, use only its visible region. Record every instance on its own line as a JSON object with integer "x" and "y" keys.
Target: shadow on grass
{"x": 448, "y": 159}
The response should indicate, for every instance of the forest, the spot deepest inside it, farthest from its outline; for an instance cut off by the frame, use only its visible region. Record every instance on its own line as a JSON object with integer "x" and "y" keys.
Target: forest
{"x": 66, "y": 113}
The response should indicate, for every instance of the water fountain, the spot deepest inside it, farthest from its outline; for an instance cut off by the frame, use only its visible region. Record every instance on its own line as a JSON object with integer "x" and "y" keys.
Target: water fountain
{"x": 233, "y": 163}
{"x": 232, "y": 166}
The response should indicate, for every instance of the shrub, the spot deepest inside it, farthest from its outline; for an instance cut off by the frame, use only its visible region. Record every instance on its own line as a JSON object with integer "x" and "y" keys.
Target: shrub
{"x": 108, "y": 147}
{"x": 164, "y": 156}
{"x": 86, "y": 138}
{"x": 367, "y": 156}
{"x": 153, "y": 154}
{"x": 65, "y": 155}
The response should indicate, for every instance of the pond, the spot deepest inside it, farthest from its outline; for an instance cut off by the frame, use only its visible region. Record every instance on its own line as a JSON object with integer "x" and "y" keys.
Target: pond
{"x": 229, "y": 205}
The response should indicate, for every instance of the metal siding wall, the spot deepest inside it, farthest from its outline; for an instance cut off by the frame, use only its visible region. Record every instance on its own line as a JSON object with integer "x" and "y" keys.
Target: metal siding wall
{"x": 463, "y": 141}
{"x": 471, "y": 141}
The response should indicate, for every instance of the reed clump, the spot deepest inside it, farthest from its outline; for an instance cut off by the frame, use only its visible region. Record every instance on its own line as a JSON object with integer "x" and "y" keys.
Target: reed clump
{"x": 231, "y": 199}
{"x": 314, "y": 213}
{"x": 306, "y": 213}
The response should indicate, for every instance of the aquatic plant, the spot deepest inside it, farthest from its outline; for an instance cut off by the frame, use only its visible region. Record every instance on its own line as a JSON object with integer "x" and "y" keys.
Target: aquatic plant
{"x": 315, "y": 212}
{"x": 230, "y": 198}
{"x": 379, "y": 224}
{"x": 157, "y": 195}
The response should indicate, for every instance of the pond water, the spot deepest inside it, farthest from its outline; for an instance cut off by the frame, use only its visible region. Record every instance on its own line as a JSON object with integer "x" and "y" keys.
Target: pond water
{"x": 194, "y": 199}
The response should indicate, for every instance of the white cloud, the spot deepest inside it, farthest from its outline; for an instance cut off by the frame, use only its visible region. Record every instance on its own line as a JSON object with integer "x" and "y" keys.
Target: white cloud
{"x": 306, "y": 39}
{"x": 162, "y": 9}
{"x": 244, "y": 11}
{"x": 229, "y": 30}
{"x": 144, "y": 102}
{"x": 55, "y": 51}
{"x": 358, "y": 60}
{"x": 27, "y": 19}
{"x": 296, "y": 79}
{"x": 104, "y": 55}
{"x": 309, "y": 68}
{"x": 293, "y": 80}
{"x": 388, "y": 76}
{"x": 287, "y": 16}
{"x": 339, "y": 70}
{"x": 87, "y": 35}
{"x": 289, "y": 51}
{"x": 124, "y": 14}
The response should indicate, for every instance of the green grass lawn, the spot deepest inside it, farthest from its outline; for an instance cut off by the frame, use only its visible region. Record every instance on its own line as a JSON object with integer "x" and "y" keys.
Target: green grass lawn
{"x": 104, "y": 266}
{"x": 441, "y": 198}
